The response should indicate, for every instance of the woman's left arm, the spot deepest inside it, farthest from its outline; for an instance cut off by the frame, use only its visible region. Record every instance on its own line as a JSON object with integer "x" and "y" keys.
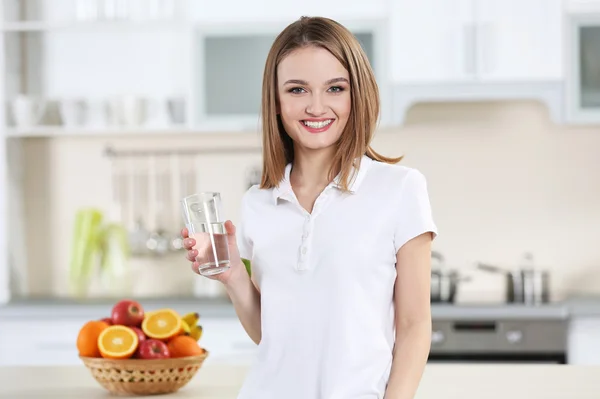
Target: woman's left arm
{"x": 413, "y": 317}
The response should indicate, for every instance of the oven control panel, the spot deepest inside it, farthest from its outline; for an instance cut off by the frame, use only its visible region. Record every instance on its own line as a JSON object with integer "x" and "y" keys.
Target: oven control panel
{"x": 476, "y": 336}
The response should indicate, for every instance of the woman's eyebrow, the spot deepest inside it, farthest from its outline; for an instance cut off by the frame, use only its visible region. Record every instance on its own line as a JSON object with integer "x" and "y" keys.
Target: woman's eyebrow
{"x": 304, "y": 82}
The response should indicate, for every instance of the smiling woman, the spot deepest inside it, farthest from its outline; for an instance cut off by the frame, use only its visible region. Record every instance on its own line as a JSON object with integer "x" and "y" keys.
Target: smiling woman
{"x": 318, "y": 79}
{"x": 314, "y": 110}
{"x": 338, "y": 238}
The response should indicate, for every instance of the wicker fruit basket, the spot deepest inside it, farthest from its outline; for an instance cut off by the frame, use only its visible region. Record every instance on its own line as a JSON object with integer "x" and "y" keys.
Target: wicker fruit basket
{"x": 144, "y": 377}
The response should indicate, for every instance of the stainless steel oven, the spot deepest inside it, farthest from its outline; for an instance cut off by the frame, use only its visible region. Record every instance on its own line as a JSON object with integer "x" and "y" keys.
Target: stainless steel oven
{"x": 499, "y": 341}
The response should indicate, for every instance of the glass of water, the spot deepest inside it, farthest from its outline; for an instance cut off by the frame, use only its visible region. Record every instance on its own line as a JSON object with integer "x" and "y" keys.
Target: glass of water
{"x": 203, "y": 217}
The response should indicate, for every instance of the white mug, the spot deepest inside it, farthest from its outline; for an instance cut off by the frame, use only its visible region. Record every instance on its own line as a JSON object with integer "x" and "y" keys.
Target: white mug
{"x": 28, "y": 111}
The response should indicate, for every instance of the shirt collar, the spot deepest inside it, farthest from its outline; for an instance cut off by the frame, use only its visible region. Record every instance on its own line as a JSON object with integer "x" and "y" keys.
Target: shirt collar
{"x": 284, "y": 189}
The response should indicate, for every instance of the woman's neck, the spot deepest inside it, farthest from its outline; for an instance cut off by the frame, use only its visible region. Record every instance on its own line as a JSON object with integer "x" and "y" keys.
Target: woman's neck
{"x": 310, "y": 170}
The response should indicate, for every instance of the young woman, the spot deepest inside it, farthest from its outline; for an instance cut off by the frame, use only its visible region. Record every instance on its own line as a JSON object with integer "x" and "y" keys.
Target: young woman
{"x": 339, "y": 238}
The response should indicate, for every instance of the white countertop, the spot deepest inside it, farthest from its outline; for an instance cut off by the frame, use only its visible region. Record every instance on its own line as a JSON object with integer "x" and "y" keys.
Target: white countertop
{"x": 222, "y": 381}
{"x": 222, "y": 308}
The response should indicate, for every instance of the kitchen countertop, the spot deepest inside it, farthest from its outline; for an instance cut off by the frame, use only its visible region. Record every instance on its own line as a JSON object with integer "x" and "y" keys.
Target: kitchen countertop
{"x": 99, "y": 308}
{"x": 222, "y": 381}
{"x": 222, "y": 308}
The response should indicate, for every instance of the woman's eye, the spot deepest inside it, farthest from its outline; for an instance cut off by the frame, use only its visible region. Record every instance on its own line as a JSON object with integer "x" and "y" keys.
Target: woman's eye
{"x": 336, "y": 89}
{"x": 296, "y": 90}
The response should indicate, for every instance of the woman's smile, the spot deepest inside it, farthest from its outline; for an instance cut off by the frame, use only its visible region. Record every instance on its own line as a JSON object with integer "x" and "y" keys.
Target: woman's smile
{"x": 317, "y": 125}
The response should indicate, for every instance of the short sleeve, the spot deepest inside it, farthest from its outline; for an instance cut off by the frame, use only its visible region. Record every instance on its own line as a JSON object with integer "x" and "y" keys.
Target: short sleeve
{"x": 244, "y": 242}
{"x": 414, "y": 215}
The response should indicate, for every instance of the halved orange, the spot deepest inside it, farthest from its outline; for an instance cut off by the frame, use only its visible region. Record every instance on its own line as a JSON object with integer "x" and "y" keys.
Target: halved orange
{"x": 117, "y": 342}
{"x": 162, "y": 324}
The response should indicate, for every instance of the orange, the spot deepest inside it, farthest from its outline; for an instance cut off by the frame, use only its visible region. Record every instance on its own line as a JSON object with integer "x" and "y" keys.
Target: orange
{"x": 184, "y": 345}
{"x": 162, "y": 324}
{"x": 87, "y": 340}
{"x": 117, "y": 342}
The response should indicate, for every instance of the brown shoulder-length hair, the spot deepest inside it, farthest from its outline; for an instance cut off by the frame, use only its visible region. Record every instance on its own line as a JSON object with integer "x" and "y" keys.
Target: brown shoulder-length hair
{"x": 355, "y": 140}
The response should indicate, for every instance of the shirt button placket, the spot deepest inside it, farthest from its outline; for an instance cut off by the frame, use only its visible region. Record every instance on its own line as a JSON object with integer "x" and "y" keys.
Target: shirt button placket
{"x": 303, "y": 255}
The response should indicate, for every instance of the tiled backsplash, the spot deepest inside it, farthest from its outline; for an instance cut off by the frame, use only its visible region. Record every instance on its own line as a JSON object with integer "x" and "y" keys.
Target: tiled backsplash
{"x": 502, "y": 180}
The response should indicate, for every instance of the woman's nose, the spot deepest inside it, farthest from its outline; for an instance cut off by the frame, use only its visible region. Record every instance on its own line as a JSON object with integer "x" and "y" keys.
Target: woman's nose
{"x": 316, "y": 105}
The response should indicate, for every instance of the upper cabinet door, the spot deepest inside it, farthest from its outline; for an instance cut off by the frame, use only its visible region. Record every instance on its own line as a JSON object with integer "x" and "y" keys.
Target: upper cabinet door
{"x": 432, "y": 41}
{"x": 284, "y": 12}
{"x": 519, "y": 40}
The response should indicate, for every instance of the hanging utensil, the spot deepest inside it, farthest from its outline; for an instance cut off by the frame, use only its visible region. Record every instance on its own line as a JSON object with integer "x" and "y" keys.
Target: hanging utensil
{"x": 186, "y": 186}
{"x": 116, "y": 209}
{"x": 139, "y": 234}
{"x": 176, "y": 241}
{"x": 158, "y": 240}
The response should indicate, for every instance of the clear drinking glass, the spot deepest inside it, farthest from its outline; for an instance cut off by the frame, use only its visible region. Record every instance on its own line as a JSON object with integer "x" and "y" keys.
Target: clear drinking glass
{"x": 203, "y": 217}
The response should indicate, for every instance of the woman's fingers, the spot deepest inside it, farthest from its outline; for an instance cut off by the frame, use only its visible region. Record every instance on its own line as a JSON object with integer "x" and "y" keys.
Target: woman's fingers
{"x": 188, "y": 243}
{"x": 230, "y": 227}
{"x": 191, "y": 255}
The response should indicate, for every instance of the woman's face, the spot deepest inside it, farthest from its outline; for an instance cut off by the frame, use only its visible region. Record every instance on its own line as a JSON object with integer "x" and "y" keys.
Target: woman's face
{"x": 314, "y": 97}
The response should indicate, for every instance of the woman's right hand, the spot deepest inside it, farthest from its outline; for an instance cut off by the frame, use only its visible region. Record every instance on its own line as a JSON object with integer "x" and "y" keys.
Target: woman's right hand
{"x": 236, "y": 264}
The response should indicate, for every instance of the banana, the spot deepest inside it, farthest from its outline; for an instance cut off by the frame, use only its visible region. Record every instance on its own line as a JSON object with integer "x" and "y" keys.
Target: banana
{"x": 185, "y": 327}
{"x": 196, "y": 332}
{"x": 191, "y": 318}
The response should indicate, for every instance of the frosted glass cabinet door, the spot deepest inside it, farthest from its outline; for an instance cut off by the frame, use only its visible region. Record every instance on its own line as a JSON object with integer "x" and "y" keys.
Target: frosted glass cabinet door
{"x": 228, "y": 76}
{"x": 233, "y": 73}
{"x": 583, "y": 79}
{"x": 589, "y": 80}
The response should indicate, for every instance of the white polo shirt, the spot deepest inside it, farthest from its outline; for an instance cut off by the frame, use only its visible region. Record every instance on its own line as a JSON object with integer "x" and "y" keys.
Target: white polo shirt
{"x": 327, "y": 281}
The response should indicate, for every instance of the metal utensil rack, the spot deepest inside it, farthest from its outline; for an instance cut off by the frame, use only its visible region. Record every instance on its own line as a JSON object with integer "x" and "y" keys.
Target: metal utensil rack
{"x": 147, "y": 186}
{"x": 112, "y": 153}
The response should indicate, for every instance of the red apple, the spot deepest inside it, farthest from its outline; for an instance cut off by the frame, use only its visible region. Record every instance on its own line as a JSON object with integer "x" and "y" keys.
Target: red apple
{"x": 127, "y": 313}
{"x": 141, "y": 336}
{"x": 153, "y": 349}
{"x": 107, "y": 320}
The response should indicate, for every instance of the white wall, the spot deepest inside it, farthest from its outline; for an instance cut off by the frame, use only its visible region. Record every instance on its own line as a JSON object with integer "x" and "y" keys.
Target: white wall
{"x": 502, "y": 180}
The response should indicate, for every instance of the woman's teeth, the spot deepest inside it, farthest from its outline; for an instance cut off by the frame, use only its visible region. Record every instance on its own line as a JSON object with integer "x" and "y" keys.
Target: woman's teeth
{"x": 317, "y": 125}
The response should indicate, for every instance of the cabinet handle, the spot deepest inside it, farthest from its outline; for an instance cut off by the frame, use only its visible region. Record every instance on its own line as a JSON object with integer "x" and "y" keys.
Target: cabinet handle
{"x": 470, "y": 33}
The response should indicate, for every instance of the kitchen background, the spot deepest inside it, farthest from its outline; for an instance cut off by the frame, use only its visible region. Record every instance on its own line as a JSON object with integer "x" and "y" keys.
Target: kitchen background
{"x": 502, "y": 180}
{"x": 116, "y": 109}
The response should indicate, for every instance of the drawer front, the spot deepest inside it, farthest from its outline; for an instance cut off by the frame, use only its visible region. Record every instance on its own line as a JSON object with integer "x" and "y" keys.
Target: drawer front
{"x": 227, "y": 341}
{"x": 48, "y": 342}
{"x": 54, "y": 342}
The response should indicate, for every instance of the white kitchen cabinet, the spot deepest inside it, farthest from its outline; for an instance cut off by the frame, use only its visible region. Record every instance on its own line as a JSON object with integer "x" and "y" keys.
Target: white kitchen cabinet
{"x": 432, "y": 41}
{"x": 53, "y": 342}
{"x": 227, "y": 341}
{"x": 4, "y": 183}
{"x": 519, "y": 40}
{"x": 39, "y": 342}
{"x": 582, "y": 6}
{"x": 275, "y": 10}
{"x": 4, "y": 270}
{"x": 467, "y": 41}
{"x": 584, "y": 341}
{"x": 476, "y": 50}
{"x": 583, "y": 80}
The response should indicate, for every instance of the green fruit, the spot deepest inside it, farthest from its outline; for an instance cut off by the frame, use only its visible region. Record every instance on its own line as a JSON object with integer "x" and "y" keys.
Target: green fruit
{"x": 248, "y": 266}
